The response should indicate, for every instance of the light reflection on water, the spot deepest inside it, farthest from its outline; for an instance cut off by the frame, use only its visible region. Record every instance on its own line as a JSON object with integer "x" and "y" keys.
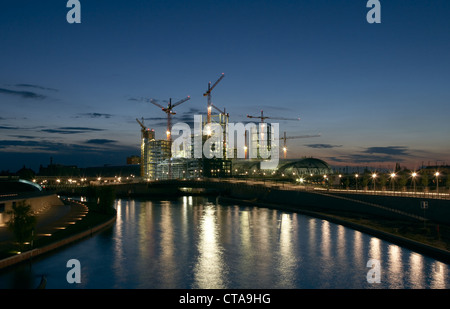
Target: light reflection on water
{"x": 194, "y": 243}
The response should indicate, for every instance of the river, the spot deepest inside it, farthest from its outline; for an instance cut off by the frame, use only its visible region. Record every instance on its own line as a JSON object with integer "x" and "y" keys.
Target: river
{"x": 196, "y": 243}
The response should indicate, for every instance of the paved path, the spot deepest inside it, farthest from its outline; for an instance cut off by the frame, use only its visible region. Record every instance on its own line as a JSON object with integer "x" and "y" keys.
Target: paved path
{"x": 49, "y": 220}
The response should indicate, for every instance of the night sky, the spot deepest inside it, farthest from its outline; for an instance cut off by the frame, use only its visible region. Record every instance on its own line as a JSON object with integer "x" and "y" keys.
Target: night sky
{"x": 377, "y": 93}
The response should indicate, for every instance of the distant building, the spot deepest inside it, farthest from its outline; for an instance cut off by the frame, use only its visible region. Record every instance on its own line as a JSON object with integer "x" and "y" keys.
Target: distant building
{"x": 155, "y": 153}
{"x": 59, "y": 170}
{"x": 133, "y": 160}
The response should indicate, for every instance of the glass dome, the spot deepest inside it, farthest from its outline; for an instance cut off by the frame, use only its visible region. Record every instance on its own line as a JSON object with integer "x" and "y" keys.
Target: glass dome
{"x": 306, "y": 166}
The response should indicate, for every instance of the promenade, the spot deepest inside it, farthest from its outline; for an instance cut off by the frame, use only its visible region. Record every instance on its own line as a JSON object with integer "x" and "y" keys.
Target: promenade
{"x": 49, "y": 220}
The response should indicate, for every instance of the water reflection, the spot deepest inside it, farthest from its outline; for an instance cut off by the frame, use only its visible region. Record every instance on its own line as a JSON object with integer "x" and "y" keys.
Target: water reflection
{"x": 118, "y": 251}
{"x": 193, "y": 243}
{"x": 416, "y": 271}
{"x": 395, "y": 266}
{"x": 209, "y": 271}
{"x": 287, "y": 260}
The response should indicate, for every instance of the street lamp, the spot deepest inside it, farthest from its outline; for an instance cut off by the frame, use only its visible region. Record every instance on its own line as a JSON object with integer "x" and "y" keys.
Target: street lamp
{"x": 356, "y": 177}
{"x": 414, "y": 175}
{"x": 392, "y": 180}
{"x": 373, "y": 177}
{"x": 437, "y": 182}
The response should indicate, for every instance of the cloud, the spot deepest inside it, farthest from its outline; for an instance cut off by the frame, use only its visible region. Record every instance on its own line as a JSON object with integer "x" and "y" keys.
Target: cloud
{"x": 23, "y": 94}
{"x": 378, "y": 154}
{"x": 361, "y": 158}
{"x": 71, "y": 130}
{"x": 94, "y": 115}
{"x": 321, "y": 146}
{"x": 389, "y": 150}
{"x": 8, "y": 128}
{"x": 24, "y": 136}
{"x": 100, "y": 141}
{"x": 46, "y": 146}
{"x": 29, "y": 146}
{"x": 35, "y": 86}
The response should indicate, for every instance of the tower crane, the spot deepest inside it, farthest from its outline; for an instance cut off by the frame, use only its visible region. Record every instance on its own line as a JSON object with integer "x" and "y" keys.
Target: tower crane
{"x": 144, "y": 128}
{"x": 223, "y": 113}
{"x": 262, "y": 117}
{"x": 284, "y": 138}
{"x": 169, "y": 111}
{"x": 225, "y": 116}
{"x": 208, "y": 95}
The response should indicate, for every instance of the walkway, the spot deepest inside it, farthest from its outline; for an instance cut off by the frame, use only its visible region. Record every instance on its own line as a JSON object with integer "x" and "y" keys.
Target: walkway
{"x": 49, "y": 220}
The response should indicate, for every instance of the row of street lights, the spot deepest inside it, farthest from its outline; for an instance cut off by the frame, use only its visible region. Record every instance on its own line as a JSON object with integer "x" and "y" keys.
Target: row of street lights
{"x": 393, "y": 175}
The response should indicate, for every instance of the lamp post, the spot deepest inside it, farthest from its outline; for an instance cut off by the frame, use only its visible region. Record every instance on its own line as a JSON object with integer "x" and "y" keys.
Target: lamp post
{"x": 373, "y": 177}
{"x": 356, "y": 177}
{"x": 437, "y": 182}
{"x": 392, "y": 180}
{"x": 414, "y": 175}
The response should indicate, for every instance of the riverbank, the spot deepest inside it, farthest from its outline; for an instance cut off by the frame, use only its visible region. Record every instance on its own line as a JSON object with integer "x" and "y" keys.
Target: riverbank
{"x": 417, "y": 236}
{"x": 77, "y": 228}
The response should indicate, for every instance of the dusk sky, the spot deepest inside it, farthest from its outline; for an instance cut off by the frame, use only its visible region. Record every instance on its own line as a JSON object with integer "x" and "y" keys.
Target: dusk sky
{"x": 377, "y": 93}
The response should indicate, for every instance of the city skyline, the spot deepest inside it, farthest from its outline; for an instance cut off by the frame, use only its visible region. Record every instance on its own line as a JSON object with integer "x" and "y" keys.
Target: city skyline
{"x": 376, "y": 93}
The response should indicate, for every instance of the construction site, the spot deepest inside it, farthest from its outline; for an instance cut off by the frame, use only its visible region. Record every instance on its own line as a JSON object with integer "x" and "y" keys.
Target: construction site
{"x": 219, "y": 155}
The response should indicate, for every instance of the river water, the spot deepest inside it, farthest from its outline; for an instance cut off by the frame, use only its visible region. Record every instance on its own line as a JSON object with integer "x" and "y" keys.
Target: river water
{"x": 196, "y": 243}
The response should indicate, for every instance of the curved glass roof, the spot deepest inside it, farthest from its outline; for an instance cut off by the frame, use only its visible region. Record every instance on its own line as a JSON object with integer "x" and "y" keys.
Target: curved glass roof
{"x": 307, "y": 166}
{"x": 18, "y": 186}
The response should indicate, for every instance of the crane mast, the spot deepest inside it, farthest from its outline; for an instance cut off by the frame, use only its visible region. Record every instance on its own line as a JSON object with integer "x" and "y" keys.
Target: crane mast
{"x": 208, "y": 95}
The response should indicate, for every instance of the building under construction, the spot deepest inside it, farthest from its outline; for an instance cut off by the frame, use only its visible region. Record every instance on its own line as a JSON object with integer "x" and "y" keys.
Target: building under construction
{"x": 158, "y": 161}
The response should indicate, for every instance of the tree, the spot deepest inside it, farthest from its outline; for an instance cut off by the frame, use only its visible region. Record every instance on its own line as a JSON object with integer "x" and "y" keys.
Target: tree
{"x": 347, "y": 182}
{"x": 402, "y": 181}
{"x": 424, "y": 180}
{"x": 22, "y": 222}
{"x": 383, "y": 180}
{"x": 365, "y": 181}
